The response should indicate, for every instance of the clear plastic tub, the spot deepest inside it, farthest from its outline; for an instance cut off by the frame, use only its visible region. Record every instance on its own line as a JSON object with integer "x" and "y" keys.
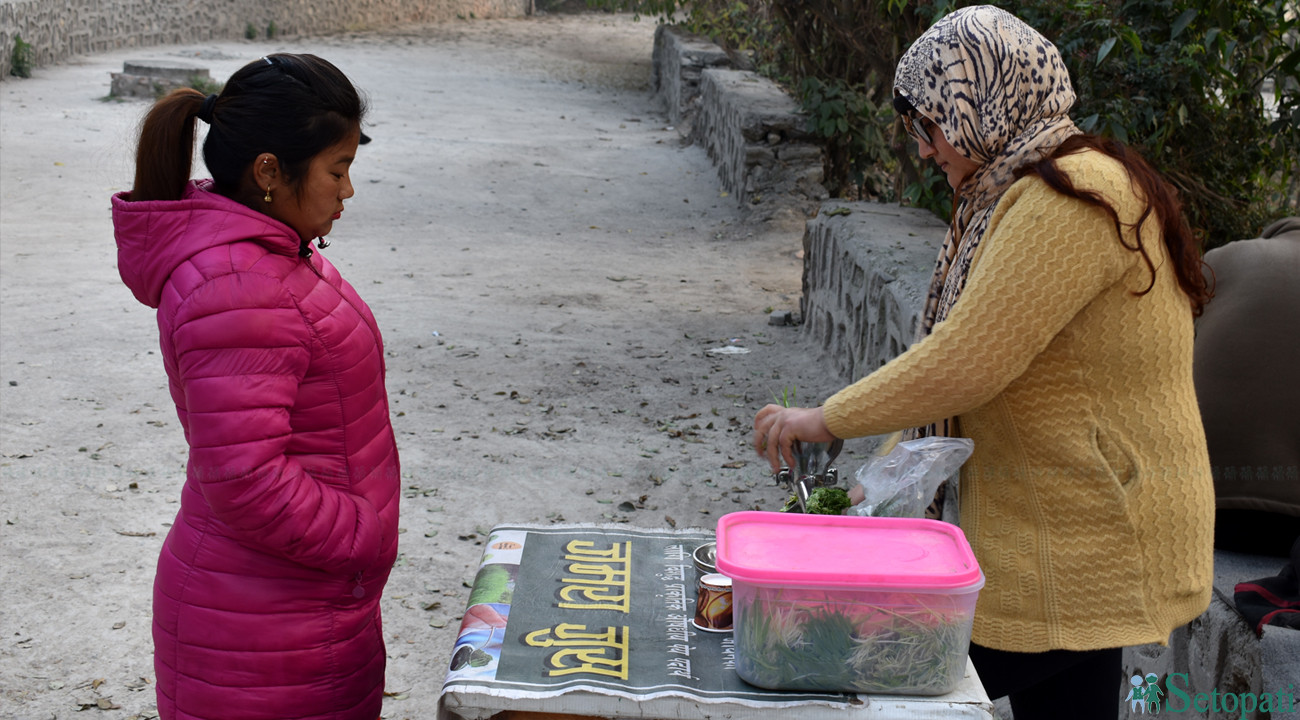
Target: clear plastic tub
{"x": 849, "y": 604}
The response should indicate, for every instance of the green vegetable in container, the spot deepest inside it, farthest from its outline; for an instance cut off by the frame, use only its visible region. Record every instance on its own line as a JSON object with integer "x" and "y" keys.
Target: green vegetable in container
{"x": 798, "y": 645}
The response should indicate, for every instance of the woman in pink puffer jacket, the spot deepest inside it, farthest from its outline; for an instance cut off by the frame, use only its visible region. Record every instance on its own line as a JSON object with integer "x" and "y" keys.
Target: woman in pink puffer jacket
{"x": 266, "y": 601}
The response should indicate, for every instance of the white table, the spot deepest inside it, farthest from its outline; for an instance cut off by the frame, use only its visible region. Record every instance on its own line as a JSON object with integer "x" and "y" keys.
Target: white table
{"x": 587, "y": 621}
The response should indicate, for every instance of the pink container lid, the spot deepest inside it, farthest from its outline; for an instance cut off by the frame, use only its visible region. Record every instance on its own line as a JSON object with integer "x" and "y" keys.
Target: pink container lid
{"x": 842, "y": 551}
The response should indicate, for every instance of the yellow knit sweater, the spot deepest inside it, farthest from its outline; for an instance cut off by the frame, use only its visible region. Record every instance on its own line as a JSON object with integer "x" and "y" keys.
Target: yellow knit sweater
{"x": 1088, "y": 499}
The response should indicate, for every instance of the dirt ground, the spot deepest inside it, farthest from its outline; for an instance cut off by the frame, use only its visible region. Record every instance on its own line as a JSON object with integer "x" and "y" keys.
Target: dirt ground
{"x": 576, "y": 322}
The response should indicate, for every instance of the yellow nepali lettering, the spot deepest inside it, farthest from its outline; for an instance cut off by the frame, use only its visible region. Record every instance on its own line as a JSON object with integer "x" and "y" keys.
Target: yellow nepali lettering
{"x": 599, "y": 579}
{"x": 598, "y": 653}
{"x": 600, "y": 597}
{"x": 585, "y": 550}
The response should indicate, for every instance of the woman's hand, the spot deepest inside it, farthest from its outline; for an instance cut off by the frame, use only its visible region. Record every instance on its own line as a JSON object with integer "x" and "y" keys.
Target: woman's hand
{"x": 776, "y": 428}
{"x": 857, "y": 495}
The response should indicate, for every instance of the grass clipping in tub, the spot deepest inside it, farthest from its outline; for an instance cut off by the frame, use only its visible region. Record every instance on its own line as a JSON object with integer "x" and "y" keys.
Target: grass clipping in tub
{"x": 905, "y": 650}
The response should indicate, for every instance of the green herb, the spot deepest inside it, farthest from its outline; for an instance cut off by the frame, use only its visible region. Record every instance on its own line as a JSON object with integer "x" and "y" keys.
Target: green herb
{"x": 824, "y": 644}
{"x": 786, "y": 398}
{"x": 828, "y": 501}
{"x": 824, "y": 500}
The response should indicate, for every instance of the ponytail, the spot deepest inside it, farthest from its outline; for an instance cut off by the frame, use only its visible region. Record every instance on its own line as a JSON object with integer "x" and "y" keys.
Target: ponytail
{"x": 164, "y": 157}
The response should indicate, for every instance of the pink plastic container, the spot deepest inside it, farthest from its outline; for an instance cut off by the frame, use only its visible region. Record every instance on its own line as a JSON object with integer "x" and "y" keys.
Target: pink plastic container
{"x": 849, "y": 604}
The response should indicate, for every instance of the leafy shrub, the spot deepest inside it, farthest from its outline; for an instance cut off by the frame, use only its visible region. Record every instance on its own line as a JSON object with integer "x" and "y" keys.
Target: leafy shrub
{"x": 855, "y": 129}
{"x": 22, "y": 59}
{"x": 842, "y": 59}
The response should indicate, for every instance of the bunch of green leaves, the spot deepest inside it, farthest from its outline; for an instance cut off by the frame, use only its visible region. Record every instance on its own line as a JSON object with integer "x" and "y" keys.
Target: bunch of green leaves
{"x": 788, "y": 648}
{"x": 22, "y": 59}
{"x": 828, "y": 501}
{"x": 823, "y": 500}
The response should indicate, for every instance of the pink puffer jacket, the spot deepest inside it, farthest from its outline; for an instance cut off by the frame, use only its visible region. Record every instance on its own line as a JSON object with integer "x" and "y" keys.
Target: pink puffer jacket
{"x": 266, "y": 601}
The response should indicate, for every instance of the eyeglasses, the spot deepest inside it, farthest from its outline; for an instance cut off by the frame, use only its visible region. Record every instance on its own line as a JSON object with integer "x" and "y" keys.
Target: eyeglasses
{"x": 918, "y": 127}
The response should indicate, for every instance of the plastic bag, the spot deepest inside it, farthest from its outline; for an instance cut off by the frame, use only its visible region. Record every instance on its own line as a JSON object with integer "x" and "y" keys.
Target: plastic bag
{"x": 903, "y": 482}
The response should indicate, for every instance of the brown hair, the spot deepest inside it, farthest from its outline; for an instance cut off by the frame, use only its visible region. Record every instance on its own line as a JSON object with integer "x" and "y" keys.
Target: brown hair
{"x": 162, "y": 160}
{"x": 1160, "y": 197}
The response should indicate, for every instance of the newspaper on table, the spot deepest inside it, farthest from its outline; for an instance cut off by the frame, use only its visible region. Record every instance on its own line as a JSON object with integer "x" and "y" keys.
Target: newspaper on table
{"x": 596, "y": 620}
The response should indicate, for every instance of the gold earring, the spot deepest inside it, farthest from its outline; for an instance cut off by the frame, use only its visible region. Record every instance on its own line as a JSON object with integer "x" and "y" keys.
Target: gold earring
{"x": 268, "y": 194}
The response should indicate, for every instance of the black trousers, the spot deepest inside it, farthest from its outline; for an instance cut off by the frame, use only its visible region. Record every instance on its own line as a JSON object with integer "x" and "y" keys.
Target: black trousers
{"x": 1053, "y": 685}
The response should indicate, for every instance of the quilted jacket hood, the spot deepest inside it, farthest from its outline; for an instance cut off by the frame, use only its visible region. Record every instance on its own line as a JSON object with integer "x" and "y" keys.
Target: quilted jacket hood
{"x": 155, "y": 236}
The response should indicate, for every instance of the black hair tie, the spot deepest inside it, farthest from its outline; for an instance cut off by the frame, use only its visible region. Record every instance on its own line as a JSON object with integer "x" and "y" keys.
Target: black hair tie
{"x": 205, "y": 110}
{"x": 903, "y": 106}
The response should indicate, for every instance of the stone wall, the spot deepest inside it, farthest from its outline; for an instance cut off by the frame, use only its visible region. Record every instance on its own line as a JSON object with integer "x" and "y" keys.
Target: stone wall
{"x": 679, "y": 60}
{"x": 60, "y": 29}
{"x": 753, "y": 131}
{"x": 757, "y": 137}
{"x": 866, "y": 268}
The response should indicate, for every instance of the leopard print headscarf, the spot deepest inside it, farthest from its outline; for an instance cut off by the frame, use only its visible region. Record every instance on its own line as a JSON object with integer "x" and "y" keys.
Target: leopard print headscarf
{"x": 1001, "y": 95}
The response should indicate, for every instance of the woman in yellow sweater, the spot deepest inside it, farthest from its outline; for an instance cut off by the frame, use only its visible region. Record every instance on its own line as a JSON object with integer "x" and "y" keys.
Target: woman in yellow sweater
{"x": 1058, "y": 337}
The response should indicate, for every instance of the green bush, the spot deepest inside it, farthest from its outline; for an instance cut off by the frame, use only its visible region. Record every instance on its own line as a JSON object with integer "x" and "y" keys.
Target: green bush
{"x": 842, "y": 56}
{"x": 22, "y": 59}
{"x": 855, "y": 123}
